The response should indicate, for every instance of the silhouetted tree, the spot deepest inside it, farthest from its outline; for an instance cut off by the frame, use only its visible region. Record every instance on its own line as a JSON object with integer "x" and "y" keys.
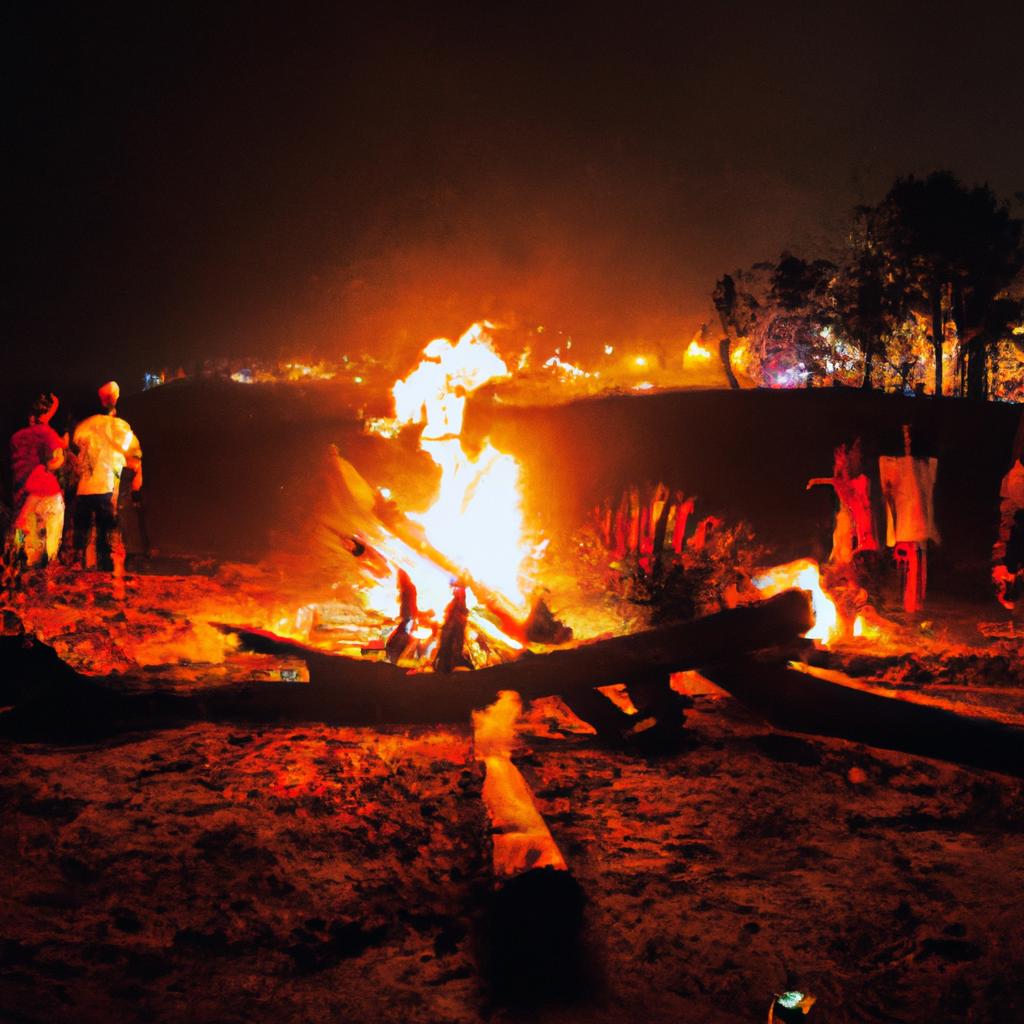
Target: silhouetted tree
{"x": 999, "y": 318}
{"x": 950, "y": 249}
{"x": 736, "y": 318}
{"x": 866, "y": 303}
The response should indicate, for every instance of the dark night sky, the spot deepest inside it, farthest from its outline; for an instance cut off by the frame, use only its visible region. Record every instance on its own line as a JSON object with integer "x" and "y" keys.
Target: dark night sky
{"x": 252, "y": 179}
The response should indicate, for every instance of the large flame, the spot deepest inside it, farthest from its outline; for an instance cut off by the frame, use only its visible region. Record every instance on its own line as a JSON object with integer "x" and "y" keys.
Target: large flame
{"x": 804, "y": 574}
{"x": 477, "y": 519}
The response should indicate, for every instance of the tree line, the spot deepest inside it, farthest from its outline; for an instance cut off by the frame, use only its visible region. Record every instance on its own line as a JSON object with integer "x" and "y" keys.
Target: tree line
{"x": 928, "y": 289}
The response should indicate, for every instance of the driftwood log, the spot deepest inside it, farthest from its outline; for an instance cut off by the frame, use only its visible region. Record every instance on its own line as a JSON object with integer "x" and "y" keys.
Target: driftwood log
{"x": 49, "y": 700}
{"x": 53, "y": 700}
{"x": 802, "y": 702}
{"x": 352, "y": 686}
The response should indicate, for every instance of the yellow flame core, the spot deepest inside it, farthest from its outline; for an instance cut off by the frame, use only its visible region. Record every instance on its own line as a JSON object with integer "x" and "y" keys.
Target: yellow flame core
{"x": 804, "y": 574}
{"x": 477, "y": 519}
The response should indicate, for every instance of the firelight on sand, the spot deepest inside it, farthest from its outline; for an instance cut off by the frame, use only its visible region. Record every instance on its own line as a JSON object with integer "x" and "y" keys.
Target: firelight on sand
{"x": 804, "y": 574}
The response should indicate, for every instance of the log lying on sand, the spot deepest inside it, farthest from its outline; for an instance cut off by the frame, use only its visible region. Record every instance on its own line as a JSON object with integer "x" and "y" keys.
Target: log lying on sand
{"x": 53, "y": 700}
{"x": 520, "y": 838}
{"x": 351, "y": 686}
{"x": 802, "y": 702}
{"x": 532, "y": 925}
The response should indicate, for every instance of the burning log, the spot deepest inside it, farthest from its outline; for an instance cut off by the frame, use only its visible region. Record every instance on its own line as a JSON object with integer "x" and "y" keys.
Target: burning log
{"x": 803, "y": 702}
{"x": 400, "y": 637}
{"x": 382, "y": 515}
{"x": 451, "y": 648}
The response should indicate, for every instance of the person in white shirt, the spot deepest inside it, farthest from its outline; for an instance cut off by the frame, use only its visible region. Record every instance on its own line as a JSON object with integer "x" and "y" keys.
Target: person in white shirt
{"x": 106, "y": 446}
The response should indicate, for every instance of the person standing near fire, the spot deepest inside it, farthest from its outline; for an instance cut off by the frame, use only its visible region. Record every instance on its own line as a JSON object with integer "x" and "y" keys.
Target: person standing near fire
{"x": 37, "y": 508}
{"x": 854, "y": 532}
{"x": 40, "y": 522}
{"x": 107, "y": 445}
{"x": 1008, "y": 550}
{"x": 908, "y": 486}
{"x": 34, "y": 445}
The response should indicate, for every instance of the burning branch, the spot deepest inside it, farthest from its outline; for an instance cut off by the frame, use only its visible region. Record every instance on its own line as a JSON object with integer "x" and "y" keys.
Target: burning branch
{"x": 384, "y": 518}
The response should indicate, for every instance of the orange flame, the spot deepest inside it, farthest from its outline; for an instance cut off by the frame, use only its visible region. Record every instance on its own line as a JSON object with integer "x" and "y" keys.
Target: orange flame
{"x": 804, "y": 574}
{"x": 477, "y": 519}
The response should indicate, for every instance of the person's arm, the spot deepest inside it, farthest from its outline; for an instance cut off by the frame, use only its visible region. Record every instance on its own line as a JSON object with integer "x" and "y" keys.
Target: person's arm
{"x": 133, "y": 459}
{"x": 1007, "y": 510}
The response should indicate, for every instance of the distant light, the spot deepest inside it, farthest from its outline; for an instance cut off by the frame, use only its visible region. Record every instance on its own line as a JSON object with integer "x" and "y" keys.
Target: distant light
{"x": 609, "y": 349}
{"x": 695, "y": 350}
{"x": 791, "y": 1000}
{"x": 385, "y": 493}
{"x": 640, "y": 361}
{"x": 358, "y": 380}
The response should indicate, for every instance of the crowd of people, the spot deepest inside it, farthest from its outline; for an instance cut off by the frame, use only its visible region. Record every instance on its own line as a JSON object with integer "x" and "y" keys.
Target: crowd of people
{"x": 84, "y": 471}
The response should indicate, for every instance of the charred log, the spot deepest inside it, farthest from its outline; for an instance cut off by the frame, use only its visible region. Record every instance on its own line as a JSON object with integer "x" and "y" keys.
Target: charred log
{"x": 398, "y": 642}
{"x": 543, "y": 628}
{"x": 353, "y": 687}
{"x": 451, "y": 648}
{"x": 58, "y": 701}
{"x": 802, "y": 702}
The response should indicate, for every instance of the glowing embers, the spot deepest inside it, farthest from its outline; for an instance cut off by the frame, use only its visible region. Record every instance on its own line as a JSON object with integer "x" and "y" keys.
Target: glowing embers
{"x": 804, "y": 574}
